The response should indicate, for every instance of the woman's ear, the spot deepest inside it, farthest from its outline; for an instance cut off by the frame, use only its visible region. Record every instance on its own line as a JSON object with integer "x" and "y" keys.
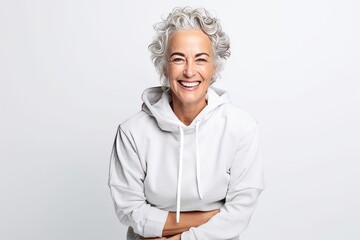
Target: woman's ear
{"x": 165, "y": 72}
{"x": 213, "y": 72}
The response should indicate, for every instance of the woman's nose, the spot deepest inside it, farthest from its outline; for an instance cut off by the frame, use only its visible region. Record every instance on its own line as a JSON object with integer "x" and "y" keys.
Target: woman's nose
{"x": 189, "y": 70}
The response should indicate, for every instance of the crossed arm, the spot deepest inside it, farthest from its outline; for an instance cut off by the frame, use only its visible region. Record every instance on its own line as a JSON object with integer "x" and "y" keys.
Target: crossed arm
{"x": 188, "y": 220}
{"x": 246, "y": 184}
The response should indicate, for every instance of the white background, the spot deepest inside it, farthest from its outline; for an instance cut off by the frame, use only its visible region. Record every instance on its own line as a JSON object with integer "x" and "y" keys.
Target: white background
{"x": 71, "y": 71}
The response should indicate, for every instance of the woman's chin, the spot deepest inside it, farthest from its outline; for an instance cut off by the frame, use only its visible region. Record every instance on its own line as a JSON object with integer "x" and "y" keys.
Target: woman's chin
{"x": 192, "y": 100}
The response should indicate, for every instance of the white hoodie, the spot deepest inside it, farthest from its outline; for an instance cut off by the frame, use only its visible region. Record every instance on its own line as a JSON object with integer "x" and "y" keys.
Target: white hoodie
{"x": 158, "y": 165}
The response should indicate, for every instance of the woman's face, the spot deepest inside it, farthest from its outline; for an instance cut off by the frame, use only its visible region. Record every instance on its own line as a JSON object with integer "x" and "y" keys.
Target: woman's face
{"x": 190, "y": 67}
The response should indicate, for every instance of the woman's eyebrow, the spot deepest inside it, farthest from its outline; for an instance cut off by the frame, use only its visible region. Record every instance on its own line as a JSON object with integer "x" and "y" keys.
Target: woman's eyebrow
{"x": 199, "y": 54}
{"x": 183, "y": 55}
{"x": 177, "y": 53}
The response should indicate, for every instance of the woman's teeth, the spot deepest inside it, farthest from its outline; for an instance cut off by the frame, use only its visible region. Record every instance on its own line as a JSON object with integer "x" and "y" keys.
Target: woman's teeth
{"x": 189, "y": 84}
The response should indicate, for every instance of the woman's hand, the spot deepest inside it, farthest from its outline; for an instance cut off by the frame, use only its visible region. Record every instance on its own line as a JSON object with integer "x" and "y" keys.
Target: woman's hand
{"x": 160, "y": 238}
{"x": 175, "y": 237}
{"x": 173, "y": 230}
{"x": 187, "y": 220}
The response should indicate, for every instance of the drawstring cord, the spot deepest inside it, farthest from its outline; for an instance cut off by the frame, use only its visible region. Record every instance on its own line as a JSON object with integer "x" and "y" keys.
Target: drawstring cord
{"x": 179, "y": 175}
{"x": 181, "y": 156}
{"x": 198, "y": 159}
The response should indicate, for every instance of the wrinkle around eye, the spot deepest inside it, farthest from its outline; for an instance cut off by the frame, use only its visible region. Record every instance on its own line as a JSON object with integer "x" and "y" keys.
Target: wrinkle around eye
{"x": 201, "y": 60}
{"x": 177, "y": 61}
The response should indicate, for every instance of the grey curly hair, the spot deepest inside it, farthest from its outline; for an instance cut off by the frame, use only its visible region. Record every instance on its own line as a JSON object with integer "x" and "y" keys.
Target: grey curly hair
{"x": 184, "y": 19}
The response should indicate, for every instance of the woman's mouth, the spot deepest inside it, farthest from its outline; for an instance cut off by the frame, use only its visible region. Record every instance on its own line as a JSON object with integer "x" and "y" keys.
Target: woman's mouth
{"x": 189, "y": 84}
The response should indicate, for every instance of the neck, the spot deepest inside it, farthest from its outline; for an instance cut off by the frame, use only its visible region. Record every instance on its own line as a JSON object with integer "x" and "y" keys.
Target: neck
{"x": 186, "y": 113}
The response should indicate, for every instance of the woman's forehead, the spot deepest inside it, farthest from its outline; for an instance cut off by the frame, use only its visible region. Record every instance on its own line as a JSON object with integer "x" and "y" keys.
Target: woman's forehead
{"x": 190, "y": 42}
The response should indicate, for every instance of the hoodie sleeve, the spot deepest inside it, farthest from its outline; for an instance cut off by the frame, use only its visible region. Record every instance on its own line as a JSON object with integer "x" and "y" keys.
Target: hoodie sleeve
{"x": 126, "y": 176}
{"x": 245, "y": 187}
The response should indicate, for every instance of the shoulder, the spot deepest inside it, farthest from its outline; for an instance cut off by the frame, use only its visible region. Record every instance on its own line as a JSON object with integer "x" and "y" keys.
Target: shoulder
{"x": 239, "y": 117}
{"x": 238, "y": 124}
{"x": 242, "y": 126}
{"x": 136, "y": 122}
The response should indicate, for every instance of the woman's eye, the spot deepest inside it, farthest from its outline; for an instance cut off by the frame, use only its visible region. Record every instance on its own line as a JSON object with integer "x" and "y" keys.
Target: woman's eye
{"x": 177, "y": 60}
{"x": 201, "y": 60}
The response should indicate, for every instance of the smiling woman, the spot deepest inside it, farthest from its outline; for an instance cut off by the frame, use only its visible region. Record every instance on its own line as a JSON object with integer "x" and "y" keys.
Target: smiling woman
{"x": 190, "y": 71}
{"x": 188, "y": 166}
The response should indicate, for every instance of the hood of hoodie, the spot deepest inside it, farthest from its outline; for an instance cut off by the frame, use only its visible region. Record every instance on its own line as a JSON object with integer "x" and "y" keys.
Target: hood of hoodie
{"x": 156, "y": 103}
